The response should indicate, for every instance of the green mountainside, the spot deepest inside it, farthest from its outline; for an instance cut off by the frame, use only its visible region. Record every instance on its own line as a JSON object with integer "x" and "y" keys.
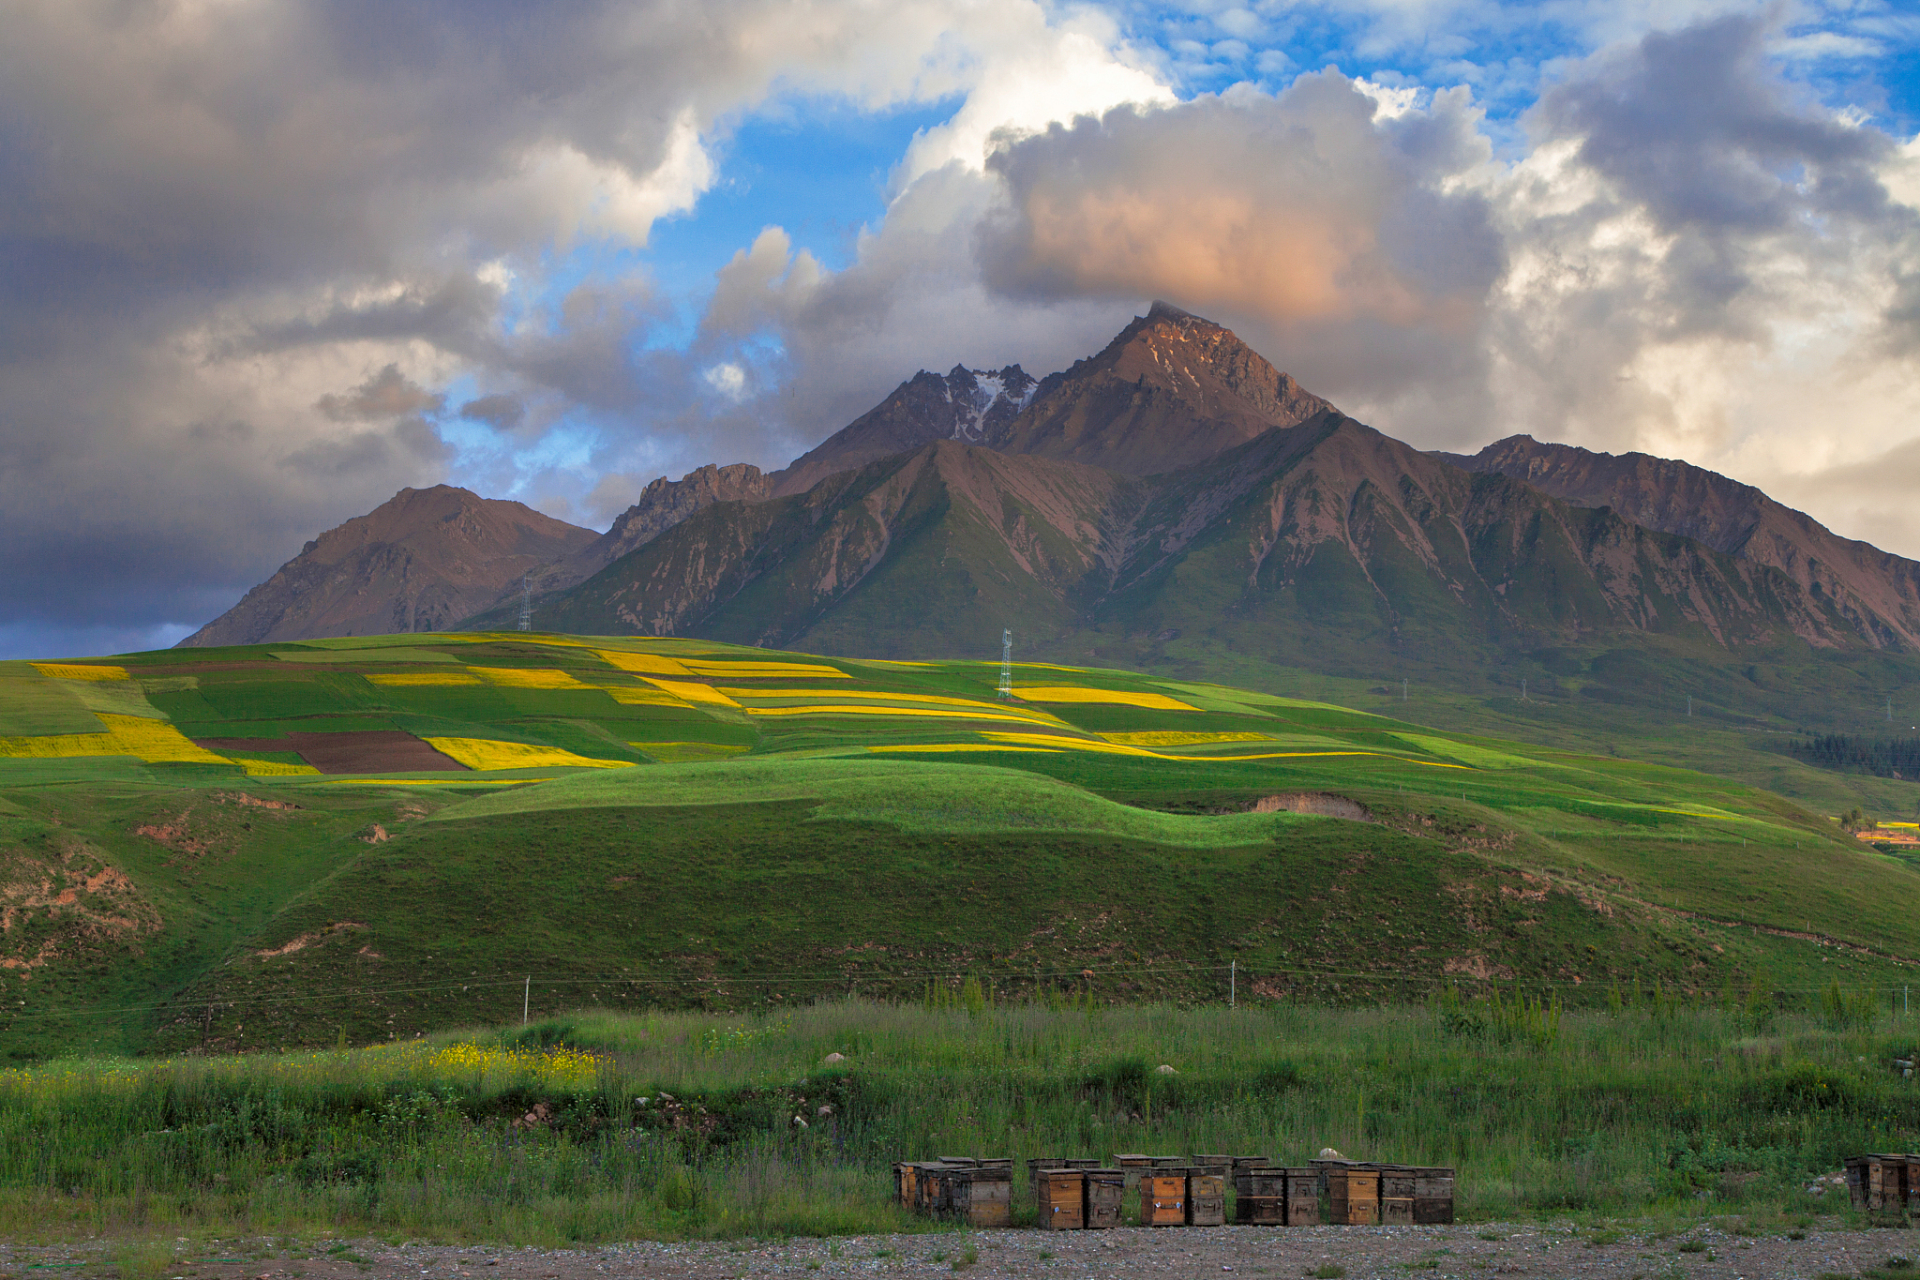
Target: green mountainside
{"x": 364, "y": 839}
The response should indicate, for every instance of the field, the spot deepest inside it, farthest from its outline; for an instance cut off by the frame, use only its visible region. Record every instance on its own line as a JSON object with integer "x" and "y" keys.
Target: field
{"x": 368, "y": 839}
{"x": 608, "y": 1126}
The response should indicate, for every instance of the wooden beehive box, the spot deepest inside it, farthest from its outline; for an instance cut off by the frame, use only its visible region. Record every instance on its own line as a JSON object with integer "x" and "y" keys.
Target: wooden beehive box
{"x": 1432, "y": 1196}
{"x": 1260, "y": 1195}
{"x": 1060, "y": 1197}
{"x": 1878, "y": 1183}
{"x": 1206, "y": 1198}
{"x": 1163, "y": 1198}
{"x": 982, "y": 1196}
{"x": 1037, "y": 1165}
{"x": 1303, "y": 1197}
{"x": 1396, "y": 1194}
{"x": 1353, "y": 1196}
{"x": 1222, "y": 1165}
{"x": 1106, "y": 1198}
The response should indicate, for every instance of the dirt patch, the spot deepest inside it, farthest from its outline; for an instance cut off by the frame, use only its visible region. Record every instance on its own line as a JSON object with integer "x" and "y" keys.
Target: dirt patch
{"x": 1476, "y": 967}
{"x": 306, "y": 940}
{"x": 182, "y": 835}
{"x": 369, "y": 751}
{"x": 62, "y": 905}
{"x": 1320, "y": 804}
{"x": 246, "y": 801}
{"x": 375, "y": 834}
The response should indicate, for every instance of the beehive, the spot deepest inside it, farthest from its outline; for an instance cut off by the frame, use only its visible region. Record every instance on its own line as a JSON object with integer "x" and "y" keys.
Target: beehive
{"x": 1878, "y": 1183}
{"x": 1260, "y": 1195}
{"x": 1038, "y": 1165}
{"x": 1353, "y": 1195}
{"x": 1432, "y": 1196}
{"x": 1219, "y": 1165}
{"x": 982, "y": 1195}
{"x": 1303, "y": 1197}
{"x": 1163, "y": 1198}
{"x": 1060, "y": 1197}
{"x": 932, "y": 1192}
{"x": 1106, "y": 1197}
{"x": 1206, "y": 1199}
{"x": 1397, "y": 1183}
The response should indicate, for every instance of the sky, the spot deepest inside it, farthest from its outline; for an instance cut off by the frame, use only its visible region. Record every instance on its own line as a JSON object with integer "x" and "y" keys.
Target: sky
{"x": 263, "y": 263}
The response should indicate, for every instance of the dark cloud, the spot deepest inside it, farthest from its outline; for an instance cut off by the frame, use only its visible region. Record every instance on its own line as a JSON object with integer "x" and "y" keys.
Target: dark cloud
{"x": 501, "y": 412}
{"x": 387, "y": 394}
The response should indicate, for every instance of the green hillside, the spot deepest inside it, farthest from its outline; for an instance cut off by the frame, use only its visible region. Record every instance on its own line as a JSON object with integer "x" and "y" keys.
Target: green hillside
{"x": 367, "y": 838}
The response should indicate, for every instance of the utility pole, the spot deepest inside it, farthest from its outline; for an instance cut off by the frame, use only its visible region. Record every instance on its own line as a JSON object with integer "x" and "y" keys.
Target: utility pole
{"x": 1689, "y": 706}
{"x": 1006, "y": 663}
{"x": 1233, "y": 982}
{"x": 526, "y": 1000}
{"x": 1523, "y": 688}
{"x": 1403, "y": 688}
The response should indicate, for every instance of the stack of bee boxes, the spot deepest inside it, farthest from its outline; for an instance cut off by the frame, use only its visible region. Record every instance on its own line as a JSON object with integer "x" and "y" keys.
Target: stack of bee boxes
{"x": 971, "y": 1190}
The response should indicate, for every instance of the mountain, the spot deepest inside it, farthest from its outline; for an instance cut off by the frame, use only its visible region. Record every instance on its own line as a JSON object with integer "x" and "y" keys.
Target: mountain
{"x": 419, "y": 562}
{"x": 1325, "y": 544}
{"x": 967, "y": 404}
{"x": 1170, "y": 391}
{"x": 1877, "y": 592}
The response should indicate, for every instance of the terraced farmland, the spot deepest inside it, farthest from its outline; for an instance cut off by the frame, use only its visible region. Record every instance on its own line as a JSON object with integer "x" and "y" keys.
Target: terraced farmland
{"x": 369, "y": 837}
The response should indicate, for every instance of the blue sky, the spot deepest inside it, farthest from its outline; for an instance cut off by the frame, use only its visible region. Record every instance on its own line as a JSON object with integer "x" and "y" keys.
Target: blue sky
{"x": 255, "y": 285}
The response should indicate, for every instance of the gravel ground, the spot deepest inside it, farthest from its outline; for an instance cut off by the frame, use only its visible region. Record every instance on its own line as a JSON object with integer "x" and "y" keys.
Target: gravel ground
{"x": 1358, "y": 1252}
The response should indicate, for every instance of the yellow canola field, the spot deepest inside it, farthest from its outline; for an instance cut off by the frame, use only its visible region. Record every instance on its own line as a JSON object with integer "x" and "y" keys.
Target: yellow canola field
{"x": 643, "y": 664}
{"x": 485, "y": 753}
{"x": 690, "y": 692}
{"x": 154, "y": 741}
{"x": 765, "y": 670}
{"x": 636, "y": 696}
{"x": 258, "y": 768}
{"x": 423, "y": 679}
{"x": 1177, "y": 738}
{"x": 1115, "y": 748}
{"x": 1119, "y": 697}
{"x": 854, "y": 709}
{"x": 527, "y": 678}
{"x": 77, "y": 671}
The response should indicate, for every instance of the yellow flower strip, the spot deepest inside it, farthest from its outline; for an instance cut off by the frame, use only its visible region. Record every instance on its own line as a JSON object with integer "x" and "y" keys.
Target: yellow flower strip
{"x": 423, "y": 679}
{"x": 690, "y": 692}
{"x": 431, "y": 782}
{"x": 943, "y": 747}
{"x": 1177, "y": 738}
{"x": 1114, "y": 748}
{"x": 763, "y": 670}
{"x": 924, "y": 699}
{"x": 1075, "y": 693}
{"x": 849, "y": 709}
{"x": 77, "y": 671}
{"x": 527, "y": 678}
{"x": 645, "y": 664}
{"x": 633, "y": 696}
{"x": 257, "y": 768}
{"x": 154, "y": 741}
{"x": 486, "y": 753}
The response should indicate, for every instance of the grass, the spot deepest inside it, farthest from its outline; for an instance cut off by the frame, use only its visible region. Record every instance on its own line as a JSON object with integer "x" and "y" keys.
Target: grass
{"x": 799, "y": 825}
{"x": 679, "y": 1125}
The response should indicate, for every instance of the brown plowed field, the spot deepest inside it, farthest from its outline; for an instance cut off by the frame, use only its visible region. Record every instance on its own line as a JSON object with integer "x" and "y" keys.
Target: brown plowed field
{"x": 371, "y": 751}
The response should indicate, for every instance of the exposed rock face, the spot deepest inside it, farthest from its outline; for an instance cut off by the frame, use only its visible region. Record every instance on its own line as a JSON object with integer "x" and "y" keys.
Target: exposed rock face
{"x": 1313, "y": 542}
{"x": 1876, "y": 592}
{"x": 972, "y": 405}
{"x": 420, "y": 562}
{"x": 663, "y": 504}
{"x": 1171, "y": 391}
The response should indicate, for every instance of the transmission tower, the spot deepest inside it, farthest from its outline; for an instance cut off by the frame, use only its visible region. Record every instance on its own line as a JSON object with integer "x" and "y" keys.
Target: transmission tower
{"x": 526, "y": 604}
{"x": 1006, "y": 664}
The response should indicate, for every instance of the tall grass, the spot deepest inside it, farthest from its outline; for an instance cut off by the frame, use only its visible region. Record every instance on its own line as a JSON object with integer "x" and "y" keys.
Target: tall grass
{"x": 608, "y": 1126}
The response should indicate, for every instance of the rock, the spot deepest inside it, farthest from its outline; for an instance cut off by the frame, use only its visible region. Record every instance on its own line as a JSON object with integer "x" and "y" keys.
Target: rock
{"x": 825, "y": 1110}
{"x": 1328, "y": 1153}
{"x": 835, "y": 1057}
{"x": 1165, "y": 1070}
{"x": 799, "y": 1123}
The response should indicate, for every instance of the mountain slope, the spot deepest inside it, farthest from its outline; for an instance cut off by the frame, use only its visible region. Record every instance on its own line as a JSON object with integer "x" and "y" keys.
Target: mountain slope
{"x": 1879, "y": 593}
{"x": 967, "y": 404}
{"x": 1324, "y": 544}
{"x": 419, "y": 562}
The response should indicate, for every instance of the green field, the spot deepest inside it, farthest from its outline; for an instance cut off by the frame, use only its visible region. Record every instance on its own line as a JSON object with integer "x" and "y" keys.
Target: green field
{"x": 284, "y": 846}
{"x": 687, "y": 1125}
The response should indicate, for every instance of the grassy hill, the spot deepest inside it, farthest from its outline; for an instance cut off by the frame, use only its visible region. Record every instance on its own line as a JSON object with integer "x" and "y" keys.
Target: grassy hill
{"x": 363, "y": 839}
